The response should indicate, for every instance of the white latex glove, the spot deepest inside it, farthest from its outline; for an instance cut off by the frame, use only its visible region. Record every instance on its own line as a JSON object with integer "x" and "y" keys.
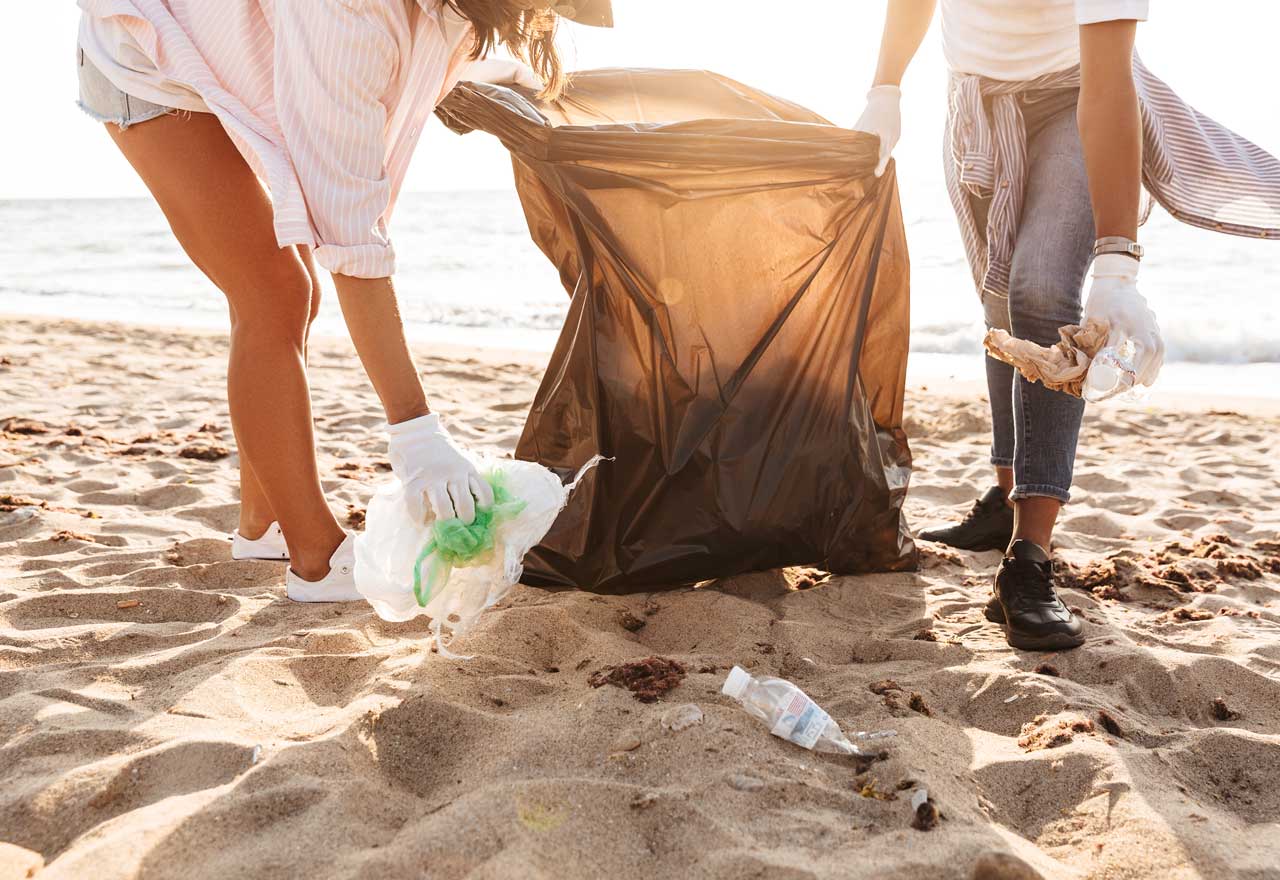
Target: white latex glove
{"x": 883, "y": 118}
{"x": 501, "y": 72}
{"x": 437, "y": 478}
{"x": 1114, "y": 298}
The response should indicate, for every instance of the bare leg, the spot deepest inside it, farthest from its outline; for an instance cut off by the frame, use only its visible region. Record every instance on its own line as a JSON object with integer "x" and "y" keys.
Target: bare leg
{"x": 1004, "y": 479}
{"x": 255, "y": 510}
{"x": 222, "y": 217}
{"x": 1034, "y": 519}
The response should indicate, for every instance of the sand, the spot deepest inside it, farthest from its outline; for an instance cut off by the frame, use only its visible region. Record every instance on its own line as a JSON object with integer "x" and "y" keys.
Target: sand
{"x": 166, "y": 712}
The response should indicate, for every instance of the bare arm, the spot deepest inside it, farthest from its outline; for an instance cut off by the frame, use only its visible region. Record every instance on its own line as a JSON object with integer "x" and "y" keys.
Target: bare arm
{"x": 1110, "y": 126}
{"x": 373, "y": 319}
{"x": 905, "y": 24}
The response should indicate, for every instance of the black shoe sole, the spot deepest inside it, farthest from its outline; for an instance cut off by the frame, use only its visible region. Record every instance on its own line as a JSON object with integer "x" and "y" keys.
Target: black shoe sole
{"x": 1054, "y": 642}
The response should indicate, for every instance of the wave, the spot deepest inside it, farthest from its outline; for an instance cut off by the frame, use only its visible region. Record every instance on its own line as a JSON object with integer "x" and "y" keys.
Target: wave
{"x": 1186, "y": 340}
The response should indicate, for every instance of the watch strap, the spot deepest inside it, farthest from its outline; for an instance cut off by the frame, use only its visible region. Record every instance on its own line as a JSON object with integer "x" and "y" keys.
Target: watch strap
{"x": 1118, "y": 244}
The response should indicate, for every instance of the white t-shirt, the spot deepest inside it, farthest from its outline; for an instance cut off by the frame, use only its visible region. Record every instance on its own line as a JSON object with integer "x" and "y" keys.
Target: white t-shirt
{"x": 1020, "y": 40}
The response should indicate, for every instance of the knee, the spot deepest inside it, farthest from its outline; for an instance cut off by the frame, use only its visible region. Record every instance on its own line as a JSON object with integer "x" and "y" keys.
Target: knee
{"x": 277, "y": 304}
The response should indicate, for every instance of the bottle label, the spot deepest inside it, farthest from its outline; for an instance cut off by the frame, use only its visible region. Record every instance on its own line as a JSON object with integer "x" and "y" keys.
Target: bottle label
{"x": 802, "y": 722}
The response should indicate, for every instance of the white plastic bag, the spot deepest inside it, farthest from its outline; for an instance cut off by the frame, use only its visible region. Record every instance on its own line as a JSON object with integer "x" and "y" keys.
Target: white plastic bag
{"x": 392, "y": 548}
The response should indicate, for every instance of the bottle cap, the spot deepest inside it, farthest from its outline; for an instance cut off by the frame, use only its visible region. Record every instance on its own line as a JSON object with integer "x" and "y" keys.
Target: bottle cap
{"x": 737, "y": 682}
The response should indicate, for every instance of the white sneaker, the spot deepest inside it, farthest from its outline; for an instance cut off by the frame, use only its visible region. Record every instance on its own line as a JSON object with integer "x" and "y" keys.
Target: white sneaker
{"x": 339, "y": 585}
{"x": 270, "y": 546}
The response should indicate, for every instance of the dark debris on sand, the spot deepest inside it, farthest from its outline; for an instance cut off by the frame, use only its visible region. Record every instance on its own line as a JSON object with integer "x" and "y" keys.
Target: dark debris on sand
{"x": 862, "y": 763}
{"x": 647, "y": 679}
{"x": 926, "y": 816}
{"x": 1186, "y": 612}
{"x": 629, "y": 621}
{"x": 66, "y": 535}
{"x": 1222, "y": 711}
{"x": 28, "y": 427}
{"x": 204, "y": 452}
{"x": 916, "y": 703}
{"x": 1108, "y": 723}
{"x": 1175, "y": 568}
{"x": 1049, "y": 733}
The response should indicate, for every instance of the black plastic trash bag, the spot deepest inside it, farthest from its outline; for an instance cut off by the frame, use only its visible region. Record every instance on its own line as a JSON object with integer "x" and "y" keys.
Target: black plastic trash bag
{"x": 737, "y": 338}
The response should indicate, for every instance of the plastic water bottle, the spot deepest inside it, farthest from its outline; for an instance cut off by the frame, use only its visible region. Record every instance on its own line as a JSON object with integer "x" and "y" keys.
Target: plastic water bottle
{"x": 791, "y": 715}
{"x": 1112, "y": 373}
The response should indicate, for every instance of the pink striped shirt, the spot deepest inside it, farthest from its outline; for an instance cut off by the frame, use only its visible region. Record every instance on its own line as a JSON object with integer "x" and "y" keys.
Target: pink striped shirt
{"x": 325, "y": 99}
{"x": 1203, "y": 173}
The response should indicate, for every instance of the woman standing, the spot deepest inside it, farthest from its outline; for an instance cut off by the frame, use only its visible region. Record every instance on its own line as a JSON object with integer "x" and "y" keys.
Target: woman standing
{"x": 1053, "y": 127}
{"x": 275, "y": 137}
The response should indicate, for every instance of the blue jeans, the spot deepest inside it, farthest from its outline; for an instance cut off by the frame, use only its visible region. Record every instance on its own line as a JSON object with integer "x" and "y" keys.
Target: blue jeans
{"x": 1035, "y": 430}
{"x": 106, "y": 103}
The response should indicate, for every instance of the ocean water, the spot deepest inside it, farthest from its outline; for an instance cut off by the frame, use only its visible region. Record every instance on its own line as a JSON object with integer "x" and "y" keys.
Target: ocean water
{"x": 470, "y": 274}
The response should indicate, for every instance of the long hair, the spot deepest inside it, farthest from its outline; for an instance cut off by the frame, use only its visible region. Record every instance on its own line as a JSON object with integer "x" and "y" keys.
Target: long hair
{"x": 526, "y": 27}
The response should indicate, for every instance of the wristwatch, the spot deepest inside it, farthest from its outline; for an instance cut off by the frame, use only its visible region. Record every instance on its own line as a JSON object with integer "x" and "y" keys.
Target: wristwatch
{"x": 1117, "y": 244}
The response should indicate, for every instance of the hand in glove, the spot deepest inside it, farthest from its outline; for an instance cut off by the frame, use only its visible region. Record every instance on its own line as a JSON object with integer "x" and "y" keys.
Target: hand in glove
{"x": 882, "y": 117}
{"x": 436, "y": 476}
{"x": 1114, "y": 298}
{"x": 501, "y": 72}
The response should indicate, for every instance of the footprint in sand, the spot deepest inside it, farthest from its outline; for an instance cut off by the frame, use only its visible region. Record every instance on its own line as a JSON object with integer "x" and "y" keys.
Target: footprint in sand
{"x": 71, "y": 608}
{"x": 1217, "y": 498}
{"x": 1250, "y": 790}
{"x": 118, "y": 784}
{"x": 85, "y": 486}
{"x": 1097, "y": 524}
{"x": 1093, "y": 481}
{"x": 464, "y": 742}
{"x": 219, "y": 517}
{"x": 1180, "y": 520}
{"x": 327, "y": 679}
{"x": 1129, "y": 505}
{"x": 1062, "y": 781}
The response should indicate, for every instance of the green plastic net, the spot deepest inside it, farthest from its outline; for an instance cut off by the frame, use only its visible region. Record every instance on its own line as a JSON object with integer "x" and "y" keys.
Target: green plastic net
{"x": 455, "y": 544}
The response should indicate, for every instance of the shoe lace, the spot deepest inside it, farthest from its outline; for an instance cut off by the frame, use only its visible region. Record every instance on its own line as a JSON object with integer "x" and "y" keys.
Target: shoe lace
{"x": 1035, "y": 579}
{"x": 980, "y": 509}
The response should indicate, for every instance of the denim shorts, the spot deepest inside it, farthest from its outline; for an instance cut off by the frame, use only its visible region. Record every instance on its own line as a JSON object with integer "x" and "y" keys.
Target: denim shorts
{"x": 106, "y": 103}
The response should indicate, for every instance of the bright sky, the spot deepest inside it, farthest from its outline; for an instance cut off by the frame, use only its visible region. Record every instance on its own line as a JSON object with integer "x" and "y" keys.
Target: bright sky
{"x": 820, "y": 53}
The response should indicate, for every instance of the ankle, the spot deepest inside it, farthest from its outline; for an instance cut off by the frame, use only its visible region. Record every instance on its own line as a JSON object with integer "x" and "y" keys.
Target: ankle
{"x": 312, "y": 563}
{"x": 253, "y": 527}
{"x": 1042, "y": 540}
{"x": 310, "y": 570}
{"x": 1046, "y": 546}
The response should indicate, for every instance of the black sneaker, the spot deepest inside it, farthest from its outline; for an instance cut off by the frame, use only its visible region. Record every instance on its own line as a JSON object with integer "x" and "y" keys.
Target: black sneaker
{"x": 1033, "y": 616}
{"x": 987, "y": 526}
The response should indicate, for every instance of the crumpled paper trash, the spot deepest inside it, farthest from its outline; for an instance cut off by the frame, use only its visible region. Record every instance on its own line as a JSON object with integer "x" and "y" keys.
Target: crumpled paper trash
{"x": 1061, "y": 366}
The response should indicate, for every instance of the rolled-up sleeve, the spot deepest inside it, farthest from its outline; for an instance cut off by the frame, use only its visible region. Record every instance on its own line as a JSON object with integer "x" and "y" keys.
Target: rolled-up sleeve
{"x": 333, "y": 62}
{"x": 1095, "y": 11}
